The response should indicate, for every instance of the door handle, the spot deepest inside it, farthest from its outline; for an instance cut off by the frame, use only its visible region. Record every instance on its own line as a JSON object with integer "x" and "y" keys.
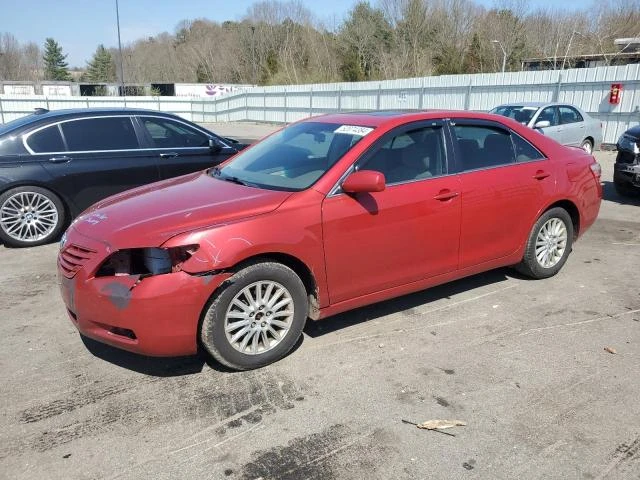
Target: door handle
{"x": 541, "y": 175}
{"x": 168, "y": 155}
{"x": 60, "y": 159}
{"x": 445, "y": 195}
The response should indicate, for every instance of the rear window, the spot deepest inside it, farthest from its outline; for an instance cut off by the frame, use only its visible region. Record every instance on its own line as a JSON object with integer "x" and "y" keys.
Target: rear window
{"x": 91, "y": 134}
{"x": 46, "y": 140}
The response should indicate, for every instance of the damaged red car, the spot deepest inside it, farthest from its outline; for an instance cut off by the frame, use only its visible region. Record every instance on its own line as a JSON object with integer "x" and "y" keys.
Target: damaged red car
{"x": 328, "y": 214}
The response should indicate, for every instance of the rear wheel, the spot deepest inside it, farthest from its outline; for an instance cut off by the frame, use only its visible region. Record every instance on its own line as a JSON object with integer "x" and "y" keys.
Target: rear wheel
{"x": 256, "y": 317}
{"x": 587, "y": 146}
{"x": 30, "y": 216}
{"x": 549, "y": 244}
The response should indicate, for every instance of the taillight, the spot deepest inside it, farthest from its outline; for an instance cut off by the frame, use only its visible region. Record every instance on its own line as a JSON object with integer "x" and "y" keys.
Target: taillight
{"x": 596, "y": 169}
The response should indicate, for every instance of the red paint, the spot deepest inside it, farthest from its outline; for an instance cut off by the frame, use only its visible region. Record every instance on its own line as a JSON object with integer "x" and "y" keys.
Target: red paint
{"x": 360, "y": 247}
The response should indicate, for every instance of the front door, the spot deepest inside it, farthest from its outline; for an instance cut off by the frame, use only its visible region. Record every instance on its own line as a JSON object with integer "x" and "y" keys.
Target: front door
{"x": 554, "y": 130}
{"x": 409, "y": 231}
{"x": 180, "y": 148}
{"x": 573, "y": 127}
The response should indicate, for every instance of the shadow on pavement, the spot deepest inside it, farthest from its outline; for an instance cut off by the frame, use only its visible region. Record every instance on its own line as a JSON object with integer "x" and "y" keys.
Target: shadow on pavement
{"x": 609, "y": 193}
{"x": 406, "y": 302}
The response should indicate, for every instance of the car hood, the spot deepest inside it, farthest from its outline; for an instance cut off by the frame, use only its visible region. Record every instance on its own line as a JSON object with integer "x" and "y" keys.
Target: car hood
{"x": 147, "y": 216}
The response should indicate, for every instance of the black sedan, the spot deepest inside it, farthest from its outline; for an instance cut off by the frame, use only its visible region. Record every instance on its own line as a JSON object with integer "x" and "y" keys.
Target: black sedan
{"x": 626, "y": 171}
{"x": 55, "y": 164}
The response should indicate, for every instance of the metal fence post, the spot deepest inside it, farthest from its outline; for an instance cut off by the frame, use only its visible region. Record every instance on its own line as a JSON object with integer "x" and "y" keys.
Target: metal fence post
{"x": 339, "y": 99}
{"x": 1, "y": 112}
{"x": 46, "y": 99}
{"x": 285, "y": 104}
{"x": 379, "y": 95}
{"x": 215, "y": 110}
{"x": 264, "y": 104}
{"x": 87, "y": 98}
{"x": 246, "y": 105}
{"x": 421, "y": 99}
{"x": 311, "y": 101}
{"x": 556, "y": 94}
{"x": 467, "y": 98}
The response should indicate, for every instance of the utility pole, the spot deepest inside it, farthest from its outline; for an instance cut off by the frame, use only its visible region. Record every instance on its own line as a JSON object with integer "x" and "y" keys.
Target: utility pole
{"x": 253, "y": 52}
{"x": 120, "y": 50}
{"x": 504, "y": 54}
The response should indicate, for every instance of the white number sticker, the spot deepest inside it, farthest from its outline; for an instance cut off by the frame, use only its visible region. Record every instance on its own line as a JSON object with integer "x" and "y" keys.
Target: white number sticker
{"x": 353, "y": 130}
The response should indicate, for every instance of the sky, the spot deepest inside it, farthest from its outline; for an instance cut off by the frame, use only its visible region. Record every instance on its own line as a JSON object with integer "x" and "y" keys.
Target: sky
{"x": 80, "y": 26}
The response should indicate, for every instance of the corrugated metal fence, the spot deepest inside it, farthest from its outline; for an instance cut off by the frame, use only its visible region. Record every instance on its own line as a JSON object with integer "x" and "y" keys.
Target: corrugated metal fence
{"x": 587, "y": 88}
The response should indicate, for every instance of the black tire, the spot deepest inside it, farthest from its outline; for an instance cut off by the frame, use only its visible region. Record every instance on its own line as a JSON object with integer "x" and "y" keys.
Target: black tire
{"x": 212, "y": 331}
{"x": 529, "y": 265}
{"x": 587, "y": 146}
{"x": 51, "y": 234}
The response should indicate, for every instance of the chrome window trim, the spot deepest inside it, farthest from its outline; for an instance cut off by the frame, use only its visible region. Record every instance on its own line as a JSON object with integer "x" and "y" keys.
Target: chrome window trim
{"x": 205, "y": 132}
{"x": 25, "y": 138}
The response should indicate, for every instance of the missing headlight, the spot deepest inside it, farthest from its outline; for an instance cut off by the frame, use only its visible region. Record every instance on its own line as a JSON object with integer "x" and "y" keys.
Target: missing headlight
{"x": 146, "y": 261}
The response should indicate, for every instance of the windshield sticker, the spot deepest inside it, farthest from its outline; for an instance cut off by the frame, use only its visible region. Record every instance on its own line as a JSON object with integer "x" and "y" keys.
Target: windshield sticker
{"x": 353, "y": 130}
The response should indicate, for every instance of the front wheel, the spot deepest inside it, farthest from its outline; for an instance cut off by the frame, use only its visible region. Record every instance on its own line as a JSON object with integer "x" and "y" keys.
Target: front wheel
{"x": 549, "y": 244}
{"x": 30, "y": 216}
{"x": 256, "y": 316}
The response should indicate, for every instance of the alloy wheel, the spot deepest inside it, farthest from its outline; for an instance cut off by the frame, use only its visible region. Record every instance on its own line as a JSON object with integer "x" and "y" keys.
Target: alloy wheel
{"x": 551, "y": 242}
{"x": 28, "y": 216}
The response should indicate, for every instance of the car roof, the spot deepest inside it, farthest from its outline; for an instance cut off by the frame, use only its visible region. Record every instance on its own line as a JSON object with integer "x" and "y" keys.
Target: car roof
{"x": 385, "y": 117}
{"x": 535, "y": 104}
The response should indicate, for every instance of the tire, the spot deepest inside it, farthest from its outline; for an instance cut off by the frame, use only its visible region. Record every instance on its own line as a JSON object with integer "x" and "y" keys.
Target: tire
{"x": 530, "y": 265}
{"x": 30, "y": 216}
{"x": 223, "y": 312}
{"x": 587, "y": 146}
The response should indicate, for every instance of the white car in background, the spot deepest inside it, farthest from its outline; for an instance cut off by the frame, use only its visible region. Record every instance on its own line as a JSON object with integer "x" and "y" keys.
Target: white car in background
{"x": 565, "y": 123}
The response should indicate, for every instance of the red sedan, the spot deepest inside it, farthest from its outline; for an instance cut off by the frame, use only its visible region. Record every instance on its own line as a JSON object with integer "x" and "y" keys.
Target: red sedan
{"x": 326, "y": 215}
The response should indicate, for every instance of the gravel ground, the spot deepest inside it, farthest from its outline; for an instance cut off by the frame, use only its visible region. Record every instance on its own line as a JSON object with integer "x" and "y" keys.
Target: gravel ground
{"x": 522, "y": 362}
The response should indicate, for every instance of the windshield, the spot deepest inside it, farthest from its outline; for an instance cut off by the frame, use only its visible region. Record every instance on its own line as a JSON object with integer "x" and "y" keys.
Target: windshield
{"x": 519, "y": 113}
{"x": 294, "y": 158}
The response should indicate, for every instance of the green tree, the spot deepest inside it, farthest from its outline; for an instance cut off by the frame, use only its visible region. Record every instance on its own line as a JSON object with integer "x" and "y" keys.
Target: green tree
{"x": 55, "y": 67}
{"x": 101, "y": 68}
{"x": 473, "y": 61}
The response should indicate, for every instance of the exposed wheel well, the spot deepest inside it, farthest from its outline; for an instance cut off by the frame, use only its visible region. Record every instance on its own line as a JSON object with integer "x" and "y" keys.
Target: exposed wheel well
{"x": 300, "y": 268}
{"x": 573, "y": 212}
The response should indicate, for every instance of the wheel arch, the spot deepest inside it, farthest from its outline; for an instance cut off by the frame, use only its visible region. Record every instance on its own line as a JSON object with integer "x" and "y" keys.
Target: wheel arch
{"x": 298, "y": 266}
{"x": 571, "y": 209}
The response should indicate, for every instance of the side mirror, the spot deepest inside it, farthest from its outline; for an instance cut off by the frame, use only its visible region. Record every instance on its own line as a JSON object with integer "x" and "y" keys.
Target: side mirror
{"x": 542, "y": 124}
{"x": 214, "y": 145}
{"x": 364, "y": 181}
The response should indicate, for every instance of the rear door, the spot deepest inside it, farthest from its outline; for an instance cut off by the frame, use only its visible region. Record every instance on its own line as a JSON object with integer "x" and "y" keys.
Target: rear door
{"x": 573, "y": 126}
{"x": 179, "y": 147}
{"x": 504, "y": 182}
{"x": 554, "y": 130}
{"x": 93, "y": 158}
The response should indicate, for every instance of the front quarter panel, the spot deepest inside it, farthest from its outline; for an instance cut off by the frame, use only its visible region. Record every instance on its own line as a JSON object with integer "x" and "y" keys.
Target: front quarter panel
{"x": 294, "y": 229}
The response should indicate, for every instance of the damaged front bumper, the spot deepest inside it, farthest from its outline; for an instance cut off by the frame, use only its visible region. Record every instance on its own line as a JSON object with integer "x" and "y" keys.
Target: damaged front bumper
{"x": 152, "y": 315}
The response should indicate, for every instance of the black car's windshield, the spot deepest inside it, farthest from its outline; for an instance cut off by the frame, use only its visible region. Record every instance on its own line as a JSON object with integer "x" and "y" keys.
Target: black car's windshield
{"x": 519, "y": 113}
{"x": 294, "y": 158}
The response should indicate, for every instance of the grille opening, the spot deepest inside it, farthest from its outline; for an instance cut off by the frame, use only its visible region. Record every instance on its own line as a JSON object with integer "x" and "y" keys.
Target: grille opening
{"x": 72, "y": 258}
{"x": 123, "y": 332}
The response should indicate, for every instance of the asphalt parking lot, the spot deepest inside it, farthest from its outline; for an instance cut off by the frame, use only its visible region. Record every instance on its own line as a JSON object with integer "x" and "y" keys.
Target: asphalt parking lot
{"x": 522, "y": 362}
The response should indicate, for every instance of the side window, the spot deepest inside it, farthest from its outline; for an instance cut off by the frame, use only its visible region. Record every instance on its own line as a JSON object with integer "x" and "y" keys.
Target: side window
{"x": 413, "y": 155}
{"x": 549, "y": 114}
{"x": 483, "y": 146}
{"x": 91, "y": 134}
{"x": 46, "y": 140}
{"x": 569, "y": 115}
{"x": 169, "y": 134}
{"x": 525, "y": 152}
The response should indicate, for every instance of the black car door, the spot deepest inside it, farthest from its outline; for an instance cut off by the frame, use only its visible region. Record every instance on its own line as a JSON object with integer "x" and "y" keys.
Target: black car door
{"x": 180, "y": 147}
{"x": 100, "y": 156}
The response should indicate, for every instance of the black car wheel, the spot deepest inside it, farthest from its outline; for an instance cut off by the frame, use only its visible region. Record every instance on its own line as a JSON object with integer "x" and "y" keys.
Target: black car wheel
{"x": 30, "y": 216}
{"x": 256, "y": 317}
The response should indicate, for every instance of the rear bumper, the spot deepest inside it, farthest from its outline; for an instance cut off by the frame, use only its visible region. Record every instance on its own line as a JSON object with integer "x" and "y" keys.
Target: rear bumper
{"x": 157, "y": 315}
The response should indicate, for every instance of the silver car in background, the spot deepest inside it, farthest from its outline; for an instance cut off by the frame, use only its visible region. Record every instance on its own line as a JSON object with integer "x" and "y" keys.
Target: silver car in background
{"x": 565, "y": 123}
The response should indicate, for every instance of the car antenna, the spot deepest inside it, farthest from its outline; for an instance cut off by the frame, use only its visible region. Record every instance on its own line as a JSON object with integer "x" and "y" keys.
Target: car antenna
{"x": 40, "y": 111}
